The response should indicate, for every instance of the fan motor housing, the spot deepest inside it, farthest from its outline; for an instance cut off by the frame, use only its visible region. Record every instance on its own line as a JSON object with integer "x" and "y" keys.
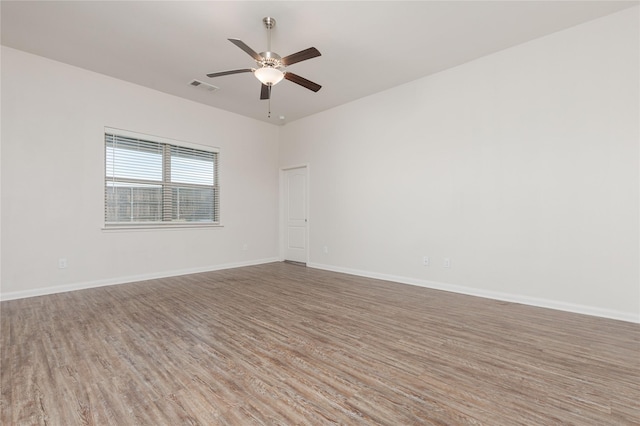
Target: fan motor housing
{"x": 270, "y": 59}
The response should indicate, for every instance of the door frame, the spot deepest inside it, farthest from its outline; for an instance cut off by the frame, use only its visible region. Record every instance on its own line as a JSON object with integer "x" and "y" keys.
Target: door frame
{"x": 282, "y": 213}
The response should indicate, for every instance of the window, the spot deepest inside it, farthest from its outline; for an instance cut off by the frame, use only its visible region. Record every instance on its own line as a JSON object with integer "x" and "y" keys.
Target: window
{"x": 151, "y": 182}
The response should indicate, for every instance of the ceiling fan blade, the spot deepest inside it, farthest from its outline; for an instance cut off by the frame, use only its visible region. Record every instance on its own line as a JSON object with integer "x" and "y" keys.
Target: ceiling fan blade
{"x": 302, "y": 81}
{"x": 246, "y": 48}
{"x": 221, "y": 73}
{"x": 265, "y": 92}
{"x": 302, "y": 55}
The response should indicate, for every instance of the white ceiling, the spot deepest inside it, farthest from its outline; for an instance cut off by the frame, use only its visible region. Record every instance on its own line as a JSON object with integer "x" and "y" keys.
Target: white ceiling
{"x": 366, "y": 46}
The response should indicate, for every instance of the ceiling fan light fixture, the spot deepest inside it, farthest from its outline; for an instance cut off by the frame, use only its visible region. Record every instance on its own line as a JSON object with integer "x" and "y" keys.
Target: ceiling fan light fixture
{"x": 269, "y": 76}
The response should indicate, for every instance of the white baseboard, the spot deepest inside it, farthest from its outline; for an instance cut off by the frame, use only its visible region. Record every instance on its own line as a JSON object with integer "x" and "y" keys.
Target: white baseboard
{"x": 42, "y": 291}
{"x": 507, "y": 297}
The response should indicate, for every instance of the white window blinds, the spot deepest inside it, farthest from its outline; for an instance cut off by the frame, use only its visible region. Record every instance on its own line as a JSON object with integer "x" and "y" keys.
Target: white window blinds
{"x": 157, "y": 183}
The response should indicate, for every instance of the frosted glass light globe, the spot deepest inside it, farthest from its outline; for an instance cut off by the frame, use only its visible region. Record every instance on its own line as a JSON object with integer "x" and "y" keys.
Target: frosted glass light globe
{"x": 269, "y": 76}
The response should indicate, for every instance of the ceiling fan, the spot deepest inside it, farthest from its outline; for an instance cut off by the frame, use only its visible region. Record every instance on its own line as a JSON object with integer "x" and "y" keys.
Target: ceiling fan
{"x": 271, "y": 67}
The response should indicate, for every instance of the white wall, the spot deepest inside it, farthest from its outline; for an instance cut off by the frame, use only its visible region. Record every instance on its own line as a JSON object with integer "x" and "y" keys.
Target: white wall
{"x": 522, "y": 167}
{"x": 53, "y": 119}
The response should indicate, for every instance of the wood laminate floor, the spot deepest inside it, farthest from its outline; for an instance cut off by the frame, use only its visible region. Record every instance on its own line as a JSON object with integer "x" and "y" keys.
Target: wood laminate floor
{"x": 284, "y": 344}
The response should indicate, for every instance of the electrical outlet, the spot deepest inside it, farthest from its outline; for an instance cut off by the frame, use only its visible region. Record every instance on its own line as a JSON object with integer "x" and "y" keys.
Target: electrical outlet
{"x": 447, "y": 262}
{"x": 325, "y": 249}
{"x": 245, "y": 247}
{"x": 62, "y": 263}
{"x": 425, "y": 261}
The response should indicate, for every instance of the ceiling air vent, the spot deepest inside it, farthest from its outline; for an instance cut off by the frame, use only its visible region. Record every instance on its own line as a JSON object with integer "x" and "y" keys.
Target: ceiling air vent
{"x": 203, "y": 86}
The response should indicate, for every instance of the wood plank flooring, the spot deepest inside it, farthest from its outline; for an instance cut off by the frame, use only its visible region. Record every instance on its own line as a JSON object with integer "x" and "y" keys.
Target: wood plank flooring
{"x": 281, "y": 344}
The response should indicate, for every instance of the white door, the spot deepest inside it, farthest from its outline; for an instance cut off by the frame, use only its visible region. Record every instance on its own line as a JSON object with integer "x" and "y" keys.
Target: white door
{"x": 295, "y": 214}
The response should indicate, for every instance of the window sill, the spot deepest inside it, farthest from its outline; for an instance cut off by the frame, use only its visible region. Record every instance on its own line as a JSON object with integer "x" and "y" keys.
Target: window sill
{"x": 155, "y": 227}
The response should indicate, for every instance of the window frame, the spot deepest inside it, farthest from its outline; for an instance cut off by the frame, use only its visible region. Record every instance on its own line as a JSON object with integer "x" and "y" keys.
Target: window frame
{"x": 166, "y": 145}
